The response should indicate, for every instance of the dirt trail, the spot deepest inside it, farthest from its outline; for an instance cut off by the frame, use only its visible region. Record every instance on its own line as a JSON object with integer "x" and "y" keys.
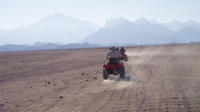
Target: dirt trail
{"x": 163, "y": 79}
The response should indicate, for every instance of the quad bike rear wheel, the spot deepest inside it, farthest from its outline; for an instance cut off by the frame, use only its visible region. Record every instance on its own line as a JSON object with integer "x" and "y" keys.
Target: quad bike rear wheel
{"x": 105, "y": 74}
{"x": 122, "y": 72}
{"x": 126, "y": 58}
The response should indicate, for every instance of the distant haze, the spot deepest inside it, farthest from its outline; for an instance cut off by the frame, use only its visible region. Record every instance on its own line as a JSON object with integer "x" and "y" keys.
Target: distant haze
{"x": 15, "y": 13}
{"x": 143, "y": 32}
{"x": 99, "y": 21}
{"x": 55, "y": 28}
{"x": 60, "y": 29}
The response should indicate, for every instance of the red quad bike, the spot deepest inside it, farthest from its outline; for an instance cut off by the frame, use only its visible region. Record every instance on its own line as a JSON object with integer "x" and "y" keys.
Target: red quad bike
{"x": 115, "y": 68}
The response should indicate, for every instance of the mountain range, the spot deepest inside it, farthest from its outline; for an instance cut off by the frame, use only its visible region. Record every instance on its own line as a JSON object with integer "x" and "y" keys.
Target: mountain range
{"x": 53, "y": 28}
{"x": 57, "y": 31}
{"x": 144, "y": 32}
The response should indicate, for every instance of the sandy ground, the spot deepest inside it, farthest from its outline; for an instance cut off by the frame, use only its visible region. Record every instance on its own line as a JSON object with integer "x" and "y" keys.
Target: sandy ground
{"x": 163, "y": 79}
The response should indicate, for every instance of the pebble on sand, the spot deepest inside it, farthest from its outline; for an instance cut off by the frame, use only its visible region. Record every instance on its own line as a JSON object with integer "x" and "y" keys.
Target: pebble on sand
{"x": 61, "y": 97}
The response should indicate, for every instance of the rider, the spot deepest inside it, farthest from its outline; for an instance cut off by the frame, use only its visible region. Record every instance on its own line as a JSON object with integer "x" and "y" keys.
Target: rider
{"x": 122, "y": 54}
{"x": 122, "y": 51}
{"x": 113, "y": 56}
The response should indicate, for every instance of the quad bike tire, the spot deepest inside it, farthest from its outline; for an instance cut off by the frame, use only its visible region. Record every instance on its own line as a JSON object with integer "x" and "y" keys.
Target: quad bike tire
{"x": 122, "y": 72}
{"x": 105, "y": 74}
{"x": 125, "y": 58}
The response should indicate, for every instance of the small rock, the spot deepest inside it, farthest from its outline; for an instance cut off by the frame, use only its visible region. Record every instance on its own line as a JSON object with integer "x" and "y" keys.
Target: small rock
{"x": 48, "y": 82}
{"x": 30, "y": 100}
{"x": 87, "y": 80}
{"x": 61, "y": 97}
{"x": 95, "y": 78}
{"x": 31, "y": 86}
{"x": 124, "y": 110}
{"x": 1, "y": 105}
{"x": 175, "y": 97}
{"x": 82, "y": 73}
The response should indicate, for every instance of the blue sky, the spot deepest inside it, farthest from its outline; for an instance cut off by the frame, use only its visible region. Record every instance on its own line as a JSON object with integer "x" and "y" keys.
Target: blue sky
{"x": 15, "y": 13}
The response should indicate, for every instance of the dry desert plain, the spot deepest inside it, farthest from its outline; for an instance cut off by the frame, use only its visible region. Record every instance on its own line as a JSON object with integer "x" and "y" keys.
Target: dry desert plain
{"x": 163, "y": 79}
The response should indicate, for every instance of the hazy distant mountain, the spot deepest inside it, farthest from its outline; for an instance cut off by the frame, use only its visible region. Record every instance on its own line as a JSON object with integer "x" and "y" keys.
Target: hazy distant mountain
{"x": 139, "y": 32}
{"x": 114, "y": 22}
{"x": 52, "y": 28}
{"x": 188, "y": 35}
{"x": 60, "y": 29}
{"x": 45, "y": 46}
{"x": 177, "y": 26}
{"x": 122, "y": 31}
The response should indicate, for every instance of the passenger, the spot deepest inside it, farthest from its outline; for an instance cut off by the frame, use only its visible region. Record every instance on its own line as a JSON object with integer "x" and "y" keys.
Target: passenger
{"x": 113, "y": 56}
{"x": 123, "y": 55}
{"x": 122, "y": 51}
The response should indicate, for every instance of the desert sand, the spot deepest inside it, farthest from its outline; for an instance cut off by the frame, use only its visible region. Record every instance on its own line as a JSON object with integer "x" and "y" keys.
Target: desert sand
{"x": 163, "y": 79}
